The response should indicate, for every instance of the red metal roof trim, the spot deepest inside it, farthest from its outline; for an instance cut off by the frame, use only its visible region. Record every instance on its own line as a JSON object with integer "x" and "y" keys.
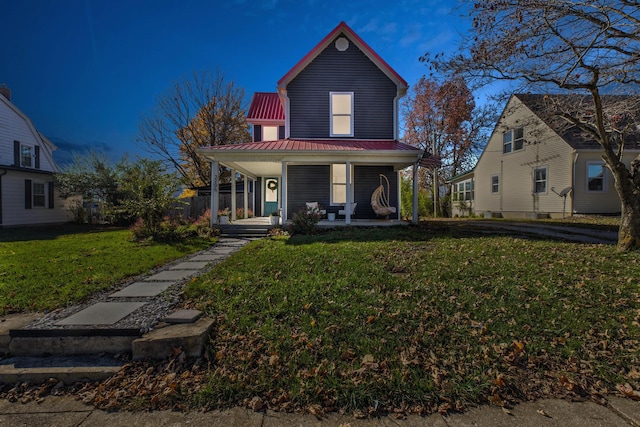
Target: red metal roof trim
{"x": 342, "y": 26}
{"x": 265, "y": 106}
{"x": 317, "y": 145}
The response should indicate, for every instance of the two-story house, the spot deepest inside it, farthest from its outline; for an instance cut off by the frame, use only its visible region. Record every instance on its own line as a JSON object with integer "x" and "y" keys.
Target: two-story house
{"x": 27, "y": 195}
{"x": 327, "y": 135}
{"x": 534, "y": 165}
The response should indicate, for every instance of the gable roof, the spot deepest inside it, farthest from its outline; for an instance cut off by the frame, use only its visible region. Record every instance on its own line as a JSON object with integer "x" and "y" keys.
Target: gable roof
{"x": 542, "y": 106}
{"x": 342, "y": 28}
{"x": 265, "y": 107}
{"x": 45, "y": 142}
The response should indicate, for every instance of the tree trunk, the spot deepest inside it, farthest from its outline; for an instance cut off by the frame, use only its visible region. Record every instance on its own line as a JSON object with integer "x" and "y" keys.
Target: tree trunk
{"x": 629, "y": 233}
{"x": 627, "y": 183}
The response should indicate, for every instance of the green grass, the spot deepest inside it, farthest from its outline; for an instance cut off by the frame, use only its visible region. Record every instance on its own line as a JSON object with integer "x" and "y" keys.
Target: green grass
{"x": 418, "y": 319}
{"x": 43, "y": 269}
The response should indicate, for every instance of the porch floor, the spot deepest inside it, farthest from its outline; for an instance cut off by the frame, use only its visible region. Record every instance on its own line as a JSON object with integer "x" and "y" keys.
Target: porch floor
{"x": 328, "y": 224}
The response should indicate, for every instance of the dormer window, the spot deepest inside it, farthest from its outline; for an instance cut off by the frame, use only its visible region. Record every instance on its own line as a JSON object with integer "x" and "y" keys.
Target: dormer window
{"x": 341, "y": 113}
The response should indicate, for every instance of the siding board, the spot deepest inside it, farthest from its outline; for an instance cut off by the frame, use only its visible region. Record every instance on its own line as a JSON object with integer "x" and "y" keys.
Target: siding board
{"x": 348, "y": 71}
{"x": 308, "y": 183}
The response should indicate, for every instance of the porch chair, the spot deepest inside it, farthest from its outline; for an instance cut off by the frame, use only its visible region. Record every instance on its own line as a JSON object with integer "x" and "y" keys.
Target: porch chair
{"x": 314, "y": 206}
{"x": 380, "y": 201}
{"x": 353, "y": 210}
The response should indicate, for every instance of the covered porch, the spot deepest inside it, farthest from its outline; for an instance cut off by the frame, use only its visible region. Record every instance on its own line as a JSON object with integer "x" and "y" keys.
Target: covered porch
{"x": 289, "y": 173}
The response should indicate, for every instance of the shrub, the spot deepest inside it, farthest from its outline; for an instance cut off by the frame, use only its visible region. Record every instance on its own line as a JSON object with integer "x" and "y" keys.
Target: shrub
{"x": 304, "y": 221}
{"x": 203, "y": 225}
{"x": 240, "y": 213}
{"x": 167, "y": 230}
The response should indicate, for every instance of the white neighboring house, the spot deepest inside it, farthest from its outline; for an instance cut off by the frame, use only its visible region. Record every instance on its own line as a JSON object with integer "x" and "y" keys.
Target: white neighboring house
{"x": 27, "y": 194}
{"x": 535, "y": 167}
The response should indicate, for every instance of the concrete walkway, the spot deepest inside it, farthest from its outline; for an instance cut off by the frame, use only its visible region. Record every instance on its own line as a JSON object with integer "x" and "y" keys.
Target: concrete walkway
{"x": 66, "y": 411}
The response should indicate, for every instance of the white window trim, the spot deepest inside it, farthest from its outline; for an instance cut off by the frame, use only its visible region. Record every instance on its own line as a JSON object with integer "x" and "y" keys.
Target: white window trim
{"x": 45, "y": 186}
{"x": 345, "y": 184}
{"x": 491, "y": 183}
{"x": 546, "y": 180}
{"x": 604, "y": 176}
{"x": 331, "y": 133}
{"x": 461, "y": 195}
{"x": 32, "y": 148}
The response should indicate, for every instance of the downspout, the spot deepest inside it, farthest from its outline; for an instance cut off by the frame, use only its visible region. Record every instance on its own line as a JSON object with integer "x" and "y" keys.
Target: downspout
{"x": 402, "y": 91}
{"x": 573, "y": 179}
{"x": 2, "y": 173}
{"x": 501, "y": 184}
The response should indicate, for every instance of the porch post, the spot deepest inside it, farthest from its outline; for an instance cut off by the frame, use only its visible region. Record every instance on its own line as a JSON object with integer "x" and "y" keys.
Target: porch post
{"x": 253, "y": 201}
{"x": 283, "y": 192}
{"x": 414, "y": 218}
{"x": 347, "y": 205}
{"x": 215, "y": 191}
{"x": 233, "y": 195}
{"x": 246, "y": 197}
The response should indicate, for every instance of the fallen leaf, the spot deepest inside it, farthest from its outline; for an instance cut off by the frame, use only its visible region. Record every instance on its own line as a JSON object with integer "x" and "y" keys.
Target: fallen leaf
{"x": 543, "y": 413}
{"x": 367, "y": 358}
{"x": 628, "y": 391}
{"x": 506, "y": 411}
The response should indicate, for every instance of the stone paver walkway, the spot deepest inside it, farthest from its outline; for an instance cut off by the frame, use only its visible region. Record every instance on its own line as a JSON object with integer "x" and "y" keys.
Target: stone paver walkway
{"x": 125, "y": 302}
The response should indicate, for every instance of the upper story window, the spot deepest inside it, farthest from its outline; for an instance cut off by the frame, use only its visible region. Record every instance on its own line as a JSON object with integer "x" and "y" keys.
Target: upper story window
{"x": 596, "y": 177}
{"x": 269, "y": 133}
{"x": 26, "y": 156}
{"x": 341, "y": 113}
{"x": 513, "y": 140}
{"x": 540, "y": 180}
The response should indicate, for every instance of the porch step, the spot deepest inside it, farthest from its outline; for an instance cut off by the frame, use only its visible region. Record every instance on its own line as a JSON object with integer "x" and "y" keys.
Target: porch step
{"x": 241, "y": 230}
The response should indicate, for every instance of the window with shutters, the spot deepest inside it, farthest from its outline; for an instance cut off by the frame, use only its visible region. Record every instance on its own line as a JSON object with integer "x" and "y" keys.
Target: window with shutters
{"x": 39, "y": 195}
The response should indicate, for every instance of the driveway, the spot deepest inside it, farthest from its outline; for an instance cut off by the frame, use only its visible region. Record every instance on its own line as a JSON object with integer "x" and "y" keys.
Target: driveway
{"x": 573, "y": 234}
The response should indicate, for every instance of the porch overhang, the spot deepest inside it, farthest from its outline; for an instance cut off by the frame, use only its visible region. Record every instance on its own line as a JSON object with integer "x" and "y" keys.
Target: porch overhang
{"x": 266, "y": 159}
{"x": 256, "y": 164}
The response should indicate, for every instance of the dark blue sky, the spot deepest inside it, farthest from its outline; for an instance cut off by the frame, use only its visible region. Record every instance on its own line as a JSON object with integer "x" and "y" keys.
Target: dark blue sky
{"x": 85, "y": 71}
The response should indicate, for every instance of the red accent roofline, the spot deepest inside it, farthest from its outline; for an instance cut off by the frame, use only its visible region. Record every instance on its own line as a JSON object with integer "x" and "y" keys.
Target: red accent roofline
{"x": 342, "y": 26}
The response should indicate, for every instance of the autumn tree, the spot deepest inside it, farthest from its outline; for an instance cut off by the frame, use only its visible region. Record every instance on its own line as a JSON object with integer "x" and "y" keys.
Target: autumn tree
{"x": 589, "y": 49}
{"x": 200, "y": 111}
{"x": 442, "y": 118}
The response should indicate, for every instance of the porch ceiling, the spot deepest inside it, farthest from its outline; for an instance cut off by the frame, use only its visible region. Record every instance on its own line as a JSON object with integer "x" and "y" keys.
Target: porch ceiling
{"x": 254, "y": 169}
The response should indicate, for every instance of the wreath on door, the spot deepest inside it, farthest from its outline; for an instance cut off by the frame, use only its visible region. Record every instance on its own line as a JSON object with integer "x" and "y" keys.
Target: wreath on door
{"x": 272, "y": 185}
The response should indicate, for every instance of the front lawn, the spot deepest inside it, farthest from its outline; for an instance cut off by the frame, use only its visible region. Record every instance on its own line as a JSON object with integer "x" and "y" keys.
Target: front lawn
{"x": 47, "y": 268}
{"x": 416, "y": 319}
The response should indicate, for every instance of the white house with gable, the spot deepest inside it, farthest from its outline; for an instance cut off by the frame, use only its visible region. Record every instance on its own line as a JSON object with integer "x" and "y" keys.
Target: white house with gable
{"x": 27, "y": 193}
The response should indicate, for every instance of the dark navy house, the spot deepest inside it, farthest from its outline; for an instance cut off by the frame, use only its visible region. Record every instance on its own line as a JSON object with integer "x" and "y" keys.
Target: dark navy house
{"x": 328, "y": 135}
